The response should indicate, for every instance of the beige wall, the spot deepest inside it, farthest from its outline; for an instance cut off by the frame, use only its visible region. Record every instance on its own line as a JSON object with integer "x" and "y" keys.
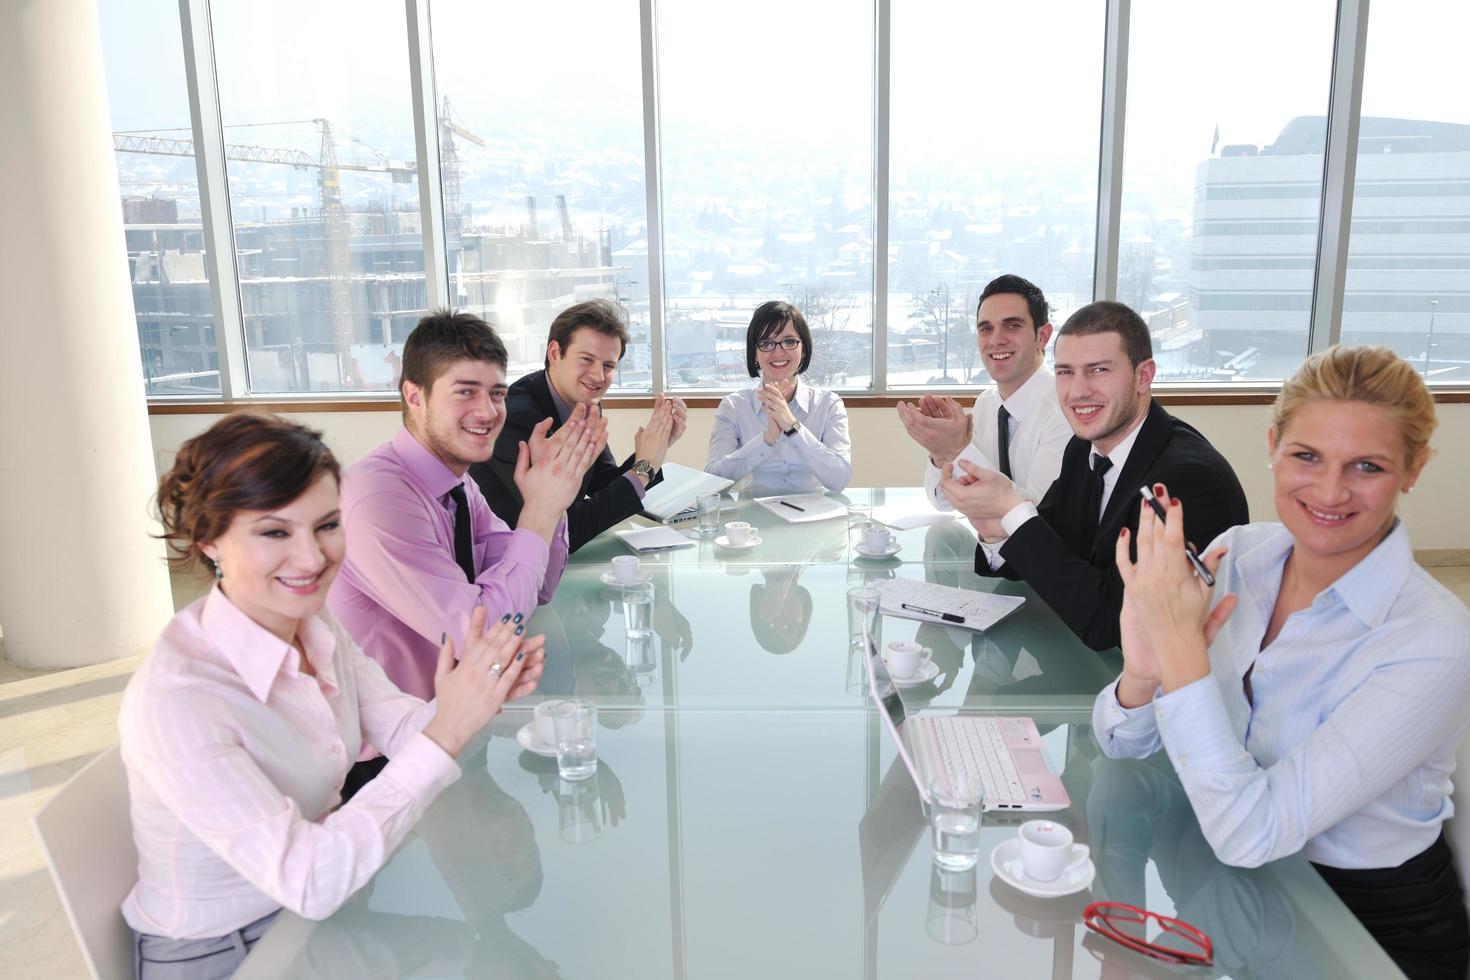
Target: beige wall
{"x": 883, "y": 455}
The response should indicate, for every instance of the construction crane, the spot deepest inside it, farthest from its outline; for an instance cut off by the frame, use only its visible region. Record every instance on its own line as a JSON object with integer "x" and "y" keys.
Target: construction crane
{"x": 449, "y": 128}
{"x": 335, "y": 227}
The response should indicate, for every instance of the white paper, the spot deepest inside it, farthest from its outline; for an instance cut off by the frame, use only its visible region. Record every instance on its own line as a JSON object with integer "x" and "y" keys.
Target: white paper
{"x": 980, "y": 610}
{"x": 902, "y": 517}
{"x": 801, "y": 508}
{"x": 644, "y": 539}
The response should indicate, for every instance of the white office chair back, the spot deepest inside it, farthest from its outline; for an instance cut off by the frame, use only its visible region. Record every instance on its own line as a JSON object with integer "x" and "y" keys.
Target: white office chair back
{"x": 86, "y": 834}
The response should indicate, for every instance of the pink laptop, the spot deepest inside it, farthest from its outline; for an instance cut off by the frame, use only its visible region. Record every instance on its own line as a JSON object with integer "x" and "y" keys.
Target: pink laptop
{"x": 1004, "y": 752}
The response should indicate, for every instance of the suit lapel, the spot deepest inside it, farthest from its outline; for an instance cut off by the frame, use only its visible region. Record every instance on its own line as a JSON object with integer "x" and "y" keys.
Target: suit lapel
{"x": 1153, "y": 435}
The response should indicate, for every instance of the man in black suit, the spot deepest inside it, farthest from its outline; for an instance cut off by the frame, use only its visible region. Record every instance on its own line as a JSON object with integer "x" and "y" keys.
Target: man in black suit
{"x": 584, "y": 346}
{"x": 1064, "y": 546}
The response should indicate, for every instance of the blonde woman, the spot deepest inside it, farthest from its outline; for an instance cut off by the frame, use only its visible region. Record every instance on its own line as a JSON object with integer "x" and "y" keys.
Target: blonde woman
{"x": 1313, "y": 699}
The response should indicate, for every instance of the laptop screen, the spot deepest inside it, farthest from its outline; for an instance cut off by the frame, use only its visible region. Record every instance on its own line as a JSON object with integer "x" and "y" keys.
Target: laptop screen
{"x": 883, "y": 687}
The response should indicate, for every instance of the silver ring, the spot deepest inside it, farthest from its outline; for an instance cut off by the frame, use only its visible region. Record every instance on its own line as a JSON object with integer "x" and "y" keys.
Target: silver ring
{"x": 495, "y": 670}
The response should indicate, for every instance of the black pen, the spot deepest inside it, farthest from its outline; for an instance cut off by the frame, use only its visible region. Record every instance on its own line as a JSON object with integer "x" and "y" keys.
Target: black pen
{"x": 947, "y": 617}
{"x": 787, "y": 503}
{"x": 1189, "y": 552}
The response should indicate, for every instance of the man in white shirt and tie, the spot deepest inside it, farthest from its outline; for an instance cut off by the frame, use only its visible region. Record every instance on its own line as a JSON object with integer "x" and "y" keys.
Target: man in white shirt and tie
{"x": 1016, "y": 428}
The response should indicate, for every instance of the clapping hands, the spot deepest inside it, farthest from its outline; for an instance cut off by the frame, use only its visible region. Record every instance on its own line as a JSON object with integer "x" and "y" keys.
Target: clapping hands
{"x": 938, "y": 424}
{"x": 549, "y": 469}
{"x": 498, "y": 665}
{"x": 779, "y": 417}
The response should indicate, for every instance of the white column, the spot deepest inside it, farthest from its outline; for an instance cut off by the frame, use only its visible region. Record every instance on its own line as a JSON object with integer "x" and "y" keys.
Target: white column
{"x": 81, "y": 578}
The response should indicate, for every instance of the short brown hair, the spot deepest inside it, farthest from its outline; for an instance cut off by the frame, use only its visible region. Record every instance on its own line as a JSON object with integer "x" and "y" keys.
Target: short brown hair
{"x": 603, "y": 315}
{"x": 440, "y": 339}
{"x": 245, "y": 461}
{"x": 1371, "y": 375}
{"x": 1106, "y": 316}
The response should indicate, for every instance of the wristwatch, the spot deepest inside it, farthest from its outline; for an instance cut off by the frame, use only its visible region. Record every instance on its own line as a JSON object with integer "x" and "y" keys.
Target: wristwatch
{"x": 644, "y": 469}
{"x": 793, "y": 430}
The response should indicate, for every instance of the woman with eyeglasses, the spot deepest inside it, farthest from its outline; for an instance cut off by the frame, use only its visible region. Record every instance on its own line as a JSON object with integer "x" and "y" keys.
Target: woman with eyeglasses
{"x": 781, "y": 435}
{"x": 1314, "y": 698}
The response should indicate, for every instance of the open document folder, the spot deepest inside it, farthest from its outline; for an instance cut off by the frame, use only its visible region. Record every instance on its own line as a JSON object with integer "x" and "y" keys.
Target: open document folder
{"x": 930, "y": 603}
{"x": 673, "y": 499}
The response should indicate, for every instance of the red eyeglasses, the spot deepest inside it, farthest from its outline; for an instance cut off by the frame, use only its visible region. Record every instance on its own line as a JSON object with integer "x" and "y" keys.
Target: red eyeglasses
{"x": 1128, "y": 925}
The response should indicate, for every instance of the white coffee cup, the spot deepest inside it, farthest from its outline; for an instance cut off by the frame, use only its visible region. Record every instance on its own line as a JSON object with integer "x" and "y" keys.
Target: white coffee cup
{"x": 625, "y": 569}
{"x": 1048, "y": 852}
{"x": 543, "y": 715}
{"x": 737, "y": 533}
{"x": 877, "y": 537}
{"x": 905, "y": 658}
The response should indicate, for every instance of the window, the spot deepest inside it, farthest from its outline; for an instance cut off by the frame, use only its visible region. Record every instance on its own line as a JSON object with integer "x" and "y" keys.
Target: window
{"x": 997, "y": 176}
{"x": 541, "y": 156}
{"x": 1226, "y": 129}
{"x": 766, "y": 112}
{"x": 1409, "y": 250}
{"x": 143, "y": 51}
{"x": 323, "y": 197}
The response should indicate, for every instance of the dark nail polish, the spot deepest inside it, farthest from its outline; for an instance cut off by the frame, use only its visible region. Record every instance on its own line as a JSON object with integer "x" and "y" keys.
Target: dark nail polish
{"x": 520, "y": 616}
{"x": 505, "y": 618}
{"x": 520, "y": 630}
{"x": 521, "y": 655}
{"x": 442, "y": 638}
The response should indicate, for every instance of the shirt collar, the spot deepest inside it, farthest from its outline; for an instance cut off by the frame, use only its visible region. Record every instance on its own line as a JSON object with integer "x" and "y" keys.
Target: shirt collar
{"x": 257, "y": 654}
{"x": 562, "y": 412}
{"x": 1119, "y": 454}
{"x": 1032, "y": 393}
{"x": 1370, "y": 587}
{"x": 426, "y": 468}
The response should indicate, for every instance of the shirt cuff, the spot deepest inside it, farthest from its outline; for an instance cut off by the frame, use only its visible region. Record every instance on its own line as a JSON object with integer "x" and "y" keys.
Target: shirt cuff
{"x": 1115, "y": 716}
{"x": 638, "y": 486}
{"x": 1195, "y": 726}
{"x": 421, "y": 768}
{"x": 1018, "y": 515}
{"x": 526, "y": 548}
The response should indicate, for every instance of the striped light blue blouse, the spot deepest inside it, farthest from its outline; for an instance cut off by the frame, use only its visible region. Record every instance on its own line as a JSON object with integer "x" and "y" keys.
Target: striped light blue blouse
{"x": 1360, "y": 704}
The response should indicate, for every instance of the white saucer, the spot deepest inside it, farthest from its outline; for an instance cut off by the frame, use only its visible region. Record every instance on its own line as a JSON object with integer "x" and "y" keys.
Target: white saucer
{"x": 1005, "y": 860}
{"x": 526, "y": 739}
{"x": 751, "y": 541}
{"x": 888, "y": 552}
{"x": 926, "y": 673}
{"x": 610, "y": 578}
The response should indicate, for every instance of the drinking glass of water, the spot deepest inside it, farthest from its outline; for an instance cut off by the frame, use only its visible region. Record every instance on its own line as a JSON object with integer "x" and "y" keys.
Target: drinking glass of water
{"x": 709, "y": 514}
{"x": 954, "y": 815}
{"x": 576, "y": 738}
{"x": 638, "y": 610}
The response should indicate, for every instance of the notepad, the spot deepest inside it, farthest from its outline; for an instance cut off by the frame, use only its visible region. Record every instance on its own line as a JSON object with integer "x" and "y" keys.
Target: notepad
{"x": 800, "y": 508}
{"x": 646, "y": 539}
{"x": 673, "y": 498}
{"x": 977, "y": 610}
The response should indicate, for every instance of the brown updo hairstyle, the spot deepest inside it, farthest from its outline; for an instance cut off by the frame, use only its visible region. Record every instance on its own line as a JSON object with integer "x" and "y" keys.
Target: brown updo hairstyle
{"x": 1371, "y": 375}
{"x": 245, "y": 461}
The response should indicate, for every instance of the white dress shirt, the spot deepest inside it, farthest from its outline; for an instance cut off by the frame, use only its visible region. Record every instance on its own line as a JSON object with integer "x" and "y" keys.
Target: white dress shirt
{"x": 236, "y": 758}
{"x": 817, "y": 457}
{"x": 1039, "y": 433}
{"x": 1359, "y": 706}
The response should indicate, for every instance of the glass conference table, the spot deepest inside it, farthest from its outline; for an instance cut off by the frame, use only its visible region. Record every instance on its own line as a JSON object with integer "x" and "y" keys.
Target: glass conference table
{"x": 750, "y": 817}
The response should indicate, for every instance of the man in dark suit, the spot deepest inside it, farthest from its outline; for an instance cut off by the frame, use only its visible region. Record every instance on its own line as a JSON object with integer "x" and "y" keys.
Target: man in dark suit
{"x": 1063, "y": 547}
{"x": 583, "y": 348}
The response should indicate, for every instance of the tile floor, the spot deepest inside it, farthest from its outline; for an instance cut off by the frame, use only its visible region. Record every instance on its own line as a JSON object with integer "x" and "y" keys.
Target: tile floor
{"x": 51, "y": 724}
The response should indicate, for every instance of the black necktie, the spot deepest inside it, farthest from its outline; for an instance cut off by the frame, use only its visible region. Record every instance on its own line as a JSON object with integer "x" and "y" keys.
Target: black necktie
{"x": 464, "y": 544}
{"x": 1003, "y": 431}
{"x": 1100, "y": 466}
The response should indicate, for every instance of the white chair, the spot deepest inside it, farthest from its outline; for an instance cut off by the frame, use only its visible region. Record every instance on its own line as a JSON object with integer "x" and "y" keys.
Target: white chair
{"x": 1457, "y": 829}
{"x": 87, "y": 837}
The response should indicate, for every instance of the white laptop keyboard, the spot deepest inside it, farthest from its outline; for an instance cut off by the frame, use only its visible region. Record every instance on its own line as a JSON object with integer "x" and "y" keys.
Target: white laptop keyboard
{"x": 976, "y": 745}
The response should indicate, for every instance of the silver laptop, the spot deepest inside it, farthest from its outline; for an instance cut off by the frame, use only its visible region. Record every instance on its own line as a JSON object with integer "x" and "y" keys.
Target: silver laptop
{"x": 1004, "y": 752}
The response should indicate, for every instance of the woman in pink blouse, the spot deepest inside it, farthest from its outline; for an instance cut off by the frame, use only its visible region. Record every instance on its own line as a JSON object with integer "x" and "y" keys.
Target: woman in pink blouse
{"x": 237, "y": 730}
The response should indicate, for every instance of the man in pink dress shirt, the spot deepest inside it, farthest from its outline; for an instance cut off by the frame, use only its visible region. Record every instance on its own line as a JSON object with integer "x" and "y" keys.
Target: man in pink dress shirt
{"x": 407, "y": 577}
